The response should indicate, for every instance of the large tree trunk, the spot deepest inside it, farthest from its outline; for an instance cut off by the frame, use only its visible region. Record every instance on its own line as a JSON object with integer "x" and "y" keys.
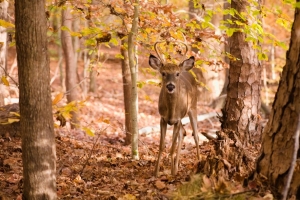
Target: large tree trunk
{"x": 278, "y": 141}
{"x": 240, "y": 120}
{"x": 3, "y": 50}
{"x": 38, "y": 141}
{"x": 241, "y": 111}
{"x": 126, "y": 92}
{"x": 71, "y": 74}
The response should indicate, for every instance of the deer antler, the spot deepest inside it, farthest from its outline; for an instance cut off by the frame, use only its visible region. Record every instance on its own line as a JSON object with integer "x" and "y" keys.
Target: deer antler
{"x": 186, "y": 47}
{"x": 185, "y": 44}
{"x": 156, "y": 50}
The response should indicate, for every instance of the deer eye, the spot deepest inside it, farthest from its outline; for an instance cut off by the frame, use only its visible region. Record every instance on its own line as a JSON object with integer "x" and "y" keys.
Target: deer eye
{"x": 177, "y": 74}
{"x": 163, "y": 74}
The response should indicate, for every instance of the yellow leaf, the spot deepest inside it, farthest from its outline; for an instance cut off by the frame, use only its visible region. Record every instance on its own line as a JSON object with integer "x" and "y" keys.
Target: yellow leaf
{"x": 148, "y": 98}
{"x": 4, "y": 80}
{"x": 106, "y": 120}
{"x": 15, "y": 113}
{"x": 129, "y": 197}
{"x": 6, "y": 24}
{"x": 88, "y": 131}
{"x": 75, "y": 34}
{"x": 11, "y": 120}
{"x": 57, "y": 98}
{"x": 78, "y": 179}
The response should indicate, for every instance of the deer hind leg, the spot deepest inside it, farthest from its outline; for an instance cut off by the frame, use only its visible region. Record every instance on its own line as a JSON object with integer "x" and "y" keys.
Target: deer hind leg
{"x": 178, "y": 132}
{"x": 163, "y": 130}
{"x": 193, "y": 118}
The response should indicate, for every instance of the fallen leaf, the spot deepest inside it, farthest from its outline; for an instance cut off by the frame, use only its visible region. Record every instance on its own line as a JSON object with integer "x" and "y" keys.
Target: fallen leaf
{"x": 128, "y": 197}
{"x": 160, "y": 185}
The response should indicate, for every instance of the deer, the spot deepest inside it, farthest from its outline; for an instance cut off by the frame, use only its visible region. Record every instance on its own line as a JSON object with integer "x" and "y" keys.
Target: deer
{"x": 178, "y": 98}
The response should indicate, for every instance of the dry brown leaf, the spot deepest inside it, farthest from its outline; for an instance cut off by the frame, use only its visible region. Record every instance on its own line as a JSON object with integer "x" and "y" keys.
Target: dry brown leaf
{"x": 160, "y": 185}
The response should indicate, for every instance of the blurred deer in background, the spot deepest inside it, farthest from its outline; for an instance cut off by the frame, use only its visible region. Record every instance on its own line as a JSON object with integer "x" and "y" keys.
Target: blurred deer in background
{"x": 178, "y": 97}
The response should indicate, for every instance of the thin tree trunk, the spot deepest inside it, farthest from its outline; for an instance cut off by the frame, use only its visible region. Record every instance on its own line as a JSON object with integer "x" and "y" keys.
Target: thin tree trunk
{"x": 127, "y": 92}
{"x": 134, "y": 74}
{"x": 241, "y": 111}
{"x": 71, "y": 74}
{"x": 226, "y": 6}
{"x": 92, "y": 85}
{"x": 278, "y": 140}
{"x": 36, "y": 123}
{"x": 3, "y": 49}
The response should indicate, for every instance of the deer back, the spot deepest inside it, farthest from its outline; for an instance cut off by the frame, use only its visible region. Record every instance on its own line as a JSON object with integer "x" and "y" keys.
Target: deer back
{"x": 179, "y": 89}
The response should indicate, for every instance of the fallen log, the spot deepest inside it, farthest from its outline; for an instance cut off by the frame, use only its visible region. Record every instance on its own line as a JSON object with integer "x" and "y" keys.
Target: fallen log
{"x": 186, "y": 120}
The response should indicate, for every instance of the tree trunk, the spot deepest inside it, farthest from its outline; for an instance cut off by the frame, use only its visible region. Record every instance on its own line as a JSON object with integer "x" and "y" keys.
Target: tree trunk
{"x": 226, "y": 6}
{"x": 36, "y": 123}
{"x": 241, "y": 110}
{"x": 278, "y": 140}
{"x": 126, "y": 92}
{"x": 3, "y": 50}
{"x": 134, "y": 73}
{"x": 71, "y": 74}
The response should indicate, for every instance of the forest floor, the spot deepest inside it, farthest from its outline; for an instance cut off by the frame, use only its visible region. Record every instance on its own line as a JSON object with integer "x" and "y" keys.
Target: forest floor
{"x": 100, "y": 167}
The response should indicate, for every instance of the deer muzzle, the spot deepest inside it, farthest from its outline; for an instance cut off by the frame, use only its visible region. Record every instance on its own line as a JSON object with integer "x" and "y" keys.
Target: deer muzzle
{"x": 170, "y": 87}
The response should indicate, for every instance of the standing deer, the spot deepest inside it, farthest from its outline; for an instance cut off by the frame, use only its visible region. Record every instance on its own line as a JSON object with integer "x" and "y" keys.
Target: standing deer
{"x": 178, "y": 97}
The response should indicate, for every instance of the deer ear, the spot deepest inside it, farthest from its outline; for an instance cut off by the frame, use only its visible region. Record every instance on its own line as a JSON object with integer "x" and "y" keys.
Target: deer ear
{"x": 154, "y": 62}
{"x": 188, "y": 64}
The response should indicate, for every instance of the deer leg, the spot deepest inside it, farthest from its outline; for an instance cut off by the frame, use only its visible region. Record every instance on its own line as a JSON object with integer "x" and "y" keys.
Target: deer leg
{"x": 163, "y": 130}
{"x": 193, "y": 118}
{"x": 180, "y": 139}
{"x": 176, "y": 133}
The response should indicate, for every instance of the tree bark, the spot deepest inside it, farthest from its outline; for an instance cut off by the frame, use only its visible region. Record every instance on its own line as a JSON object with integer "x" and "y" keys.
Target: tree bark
{"x": 278, "y": 141}
{"x": 134, "y": 73}
{"x": 126, "y": 92}
{"x": 71, "y": 73}
{"x": 38, "y": 141}
{"x": 3, "y": 49}
{"x": 241, "y": 110}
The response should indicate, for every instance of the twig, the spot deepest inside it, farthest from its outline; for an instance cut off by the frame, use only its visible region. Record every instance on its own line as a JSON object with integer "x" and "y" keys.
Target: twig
{"x": 293, "y": 163}
{"x": 6, "y": 74}
{"x": 56, "y": 71}
{"x": 91, "y": 152}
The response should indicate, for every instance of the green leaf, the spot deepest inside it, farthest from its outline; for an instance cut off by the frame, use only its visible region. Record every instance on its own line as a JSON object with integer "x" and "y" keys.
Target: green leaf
{"x": 297, "y": 5}
{"x": 230, "y": 32}
{"x": 262, "y": 56}
{"x": 140, "y": 84}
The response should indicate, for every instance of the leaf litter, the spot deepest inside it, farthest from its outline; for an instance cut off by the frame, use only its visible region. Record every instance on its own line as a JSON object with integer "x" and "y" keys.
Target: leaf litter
{"x": 100, "y": 167}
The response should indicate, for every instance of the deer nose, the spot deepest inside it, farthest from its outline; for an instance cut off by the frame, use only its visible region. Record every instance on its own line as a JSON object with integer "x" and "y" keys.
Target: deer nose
{"x": 170, "y": 87}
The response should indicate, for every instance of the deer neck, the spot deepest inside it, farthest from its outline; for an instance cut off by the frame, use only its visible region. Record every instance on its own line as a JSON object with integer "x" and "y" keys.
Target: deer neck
{"x": 170, "y": 106}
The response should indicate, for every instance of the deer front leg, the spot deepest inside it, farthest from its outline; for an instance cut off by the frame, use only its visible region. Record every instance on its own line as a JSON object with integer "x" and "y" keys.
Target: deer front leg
{"x": 180, "y": 139}
{"x": 163, "y": 130}
{"x": 193, "y": 118}
{"x": 177, "y": 135}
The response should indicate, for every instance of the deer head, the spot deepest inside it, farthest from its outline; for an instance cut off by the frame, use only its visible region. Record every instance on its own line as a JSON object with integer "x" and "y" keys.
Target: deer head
{"x": 171, "y": 73}
{"x": 178, "y": 97}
